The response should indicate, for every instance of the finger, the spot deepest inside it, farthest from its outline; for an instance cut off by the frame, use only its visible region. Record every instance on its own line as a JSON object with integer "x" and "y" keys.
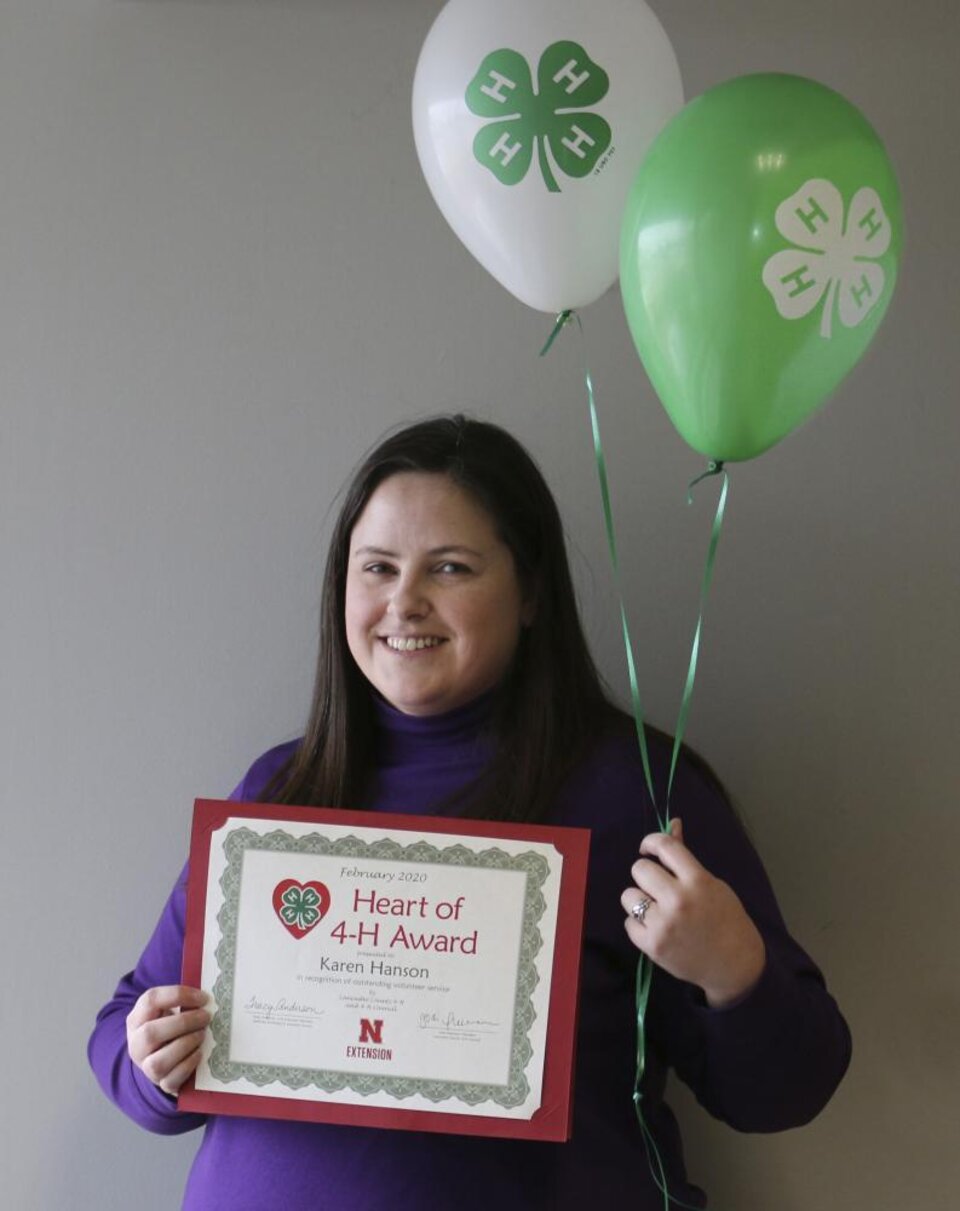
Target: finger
{"x": 637, "y": 912}
{"x": 159, "y": 1065}
{"x": 676, "y": 828}
{"x": 164, "y": 999}
{"x": 157, "y": 1033}
{"x": 654, "y": 880}
{"x": 639, "y": 935}
{"x": 672, "y": 853}
{"x": 173, "y": 1082}
{"x": 631, "y": 898}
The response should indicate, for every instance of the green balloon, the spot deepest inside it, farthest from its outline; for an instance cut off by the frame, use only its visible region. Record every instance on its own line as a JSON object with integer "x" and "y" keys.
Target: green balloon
{"x": 758, "y": 254}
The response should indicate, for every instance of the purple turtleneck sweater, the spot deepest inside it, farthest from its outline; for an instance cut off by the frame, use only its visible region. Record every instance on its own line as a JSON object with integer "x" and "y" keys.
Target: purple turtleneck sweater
{"x": 767, "y": 1063}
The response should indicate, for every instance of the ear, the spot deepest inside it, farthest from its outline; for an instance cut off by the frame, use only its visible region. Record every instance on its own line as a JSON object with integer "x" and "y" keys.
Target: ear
{"x": 528, "y": 610}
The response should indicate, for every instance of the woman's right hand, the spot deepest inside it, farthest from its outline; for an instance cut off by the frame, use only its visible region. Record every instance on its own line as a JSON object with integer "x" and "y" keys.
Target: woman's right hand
{"x": 164, "y": 1033}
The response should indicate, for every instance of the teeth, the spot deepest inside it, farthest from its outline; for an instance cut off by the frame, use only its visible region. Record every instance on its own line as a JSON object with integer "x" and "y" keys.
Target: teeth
{"x": 411, "y": 645}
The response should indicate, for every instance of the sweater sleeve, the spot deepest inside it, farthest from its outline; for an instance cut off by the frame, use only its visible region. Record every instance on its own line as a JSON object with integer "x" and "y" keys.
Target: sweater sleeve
{"x": 160, "y": 964}
{"x": 119, "y": 1077}
{"x": 773, "y": 1059}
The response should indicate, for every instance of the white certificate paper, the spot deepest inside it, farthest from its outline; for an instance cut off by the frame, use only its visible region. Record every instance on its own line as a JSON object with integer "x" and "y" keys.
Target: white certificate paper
{"x": 390, "y": 966}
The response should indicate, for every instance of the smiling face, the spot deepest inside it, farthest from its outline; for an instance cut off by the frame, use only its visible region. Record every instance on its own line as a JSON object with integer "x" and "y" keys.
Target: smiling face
{"x": 434, "y": 607}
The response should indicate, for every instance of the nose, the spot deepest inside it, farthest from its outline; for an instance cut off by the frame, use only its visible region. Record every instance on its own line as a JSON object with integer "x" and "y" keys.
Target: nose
{"x": 409, "y": 598}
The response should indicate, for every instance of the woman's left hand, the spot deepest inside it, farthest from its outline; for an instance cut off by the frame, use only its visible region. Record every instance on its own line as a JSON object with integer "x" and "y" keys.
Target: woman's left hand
{"x": 695, "y": 926}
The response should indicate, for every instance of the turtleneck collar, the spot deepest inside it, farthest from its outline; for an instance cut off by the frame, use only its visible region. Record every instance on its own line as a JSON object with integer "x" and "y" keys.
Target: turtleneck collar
{"x": 426, "y": 760}
{"x": 405, "y": 735}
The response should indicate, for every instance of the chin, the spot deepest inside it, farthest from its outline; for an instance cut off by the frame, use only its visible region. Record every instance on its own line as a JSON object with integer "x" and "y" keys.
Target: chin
{"x": 424, "y": 707}
{"x": 421, "y": 710}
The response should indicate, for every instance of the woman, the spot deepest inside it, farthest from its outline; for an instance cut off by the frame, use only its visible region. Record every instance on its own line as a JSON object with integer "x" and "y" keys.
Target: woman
{"x": 453, "y": 678}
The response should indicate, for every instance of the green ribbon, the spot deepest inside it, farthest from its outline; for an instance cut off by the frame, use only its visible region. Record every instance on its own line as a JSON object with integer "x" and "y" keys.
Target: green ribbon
{"x": 645, "y": 966}
{"x": 562, "y": 319}
{"x": 714, "y": 468}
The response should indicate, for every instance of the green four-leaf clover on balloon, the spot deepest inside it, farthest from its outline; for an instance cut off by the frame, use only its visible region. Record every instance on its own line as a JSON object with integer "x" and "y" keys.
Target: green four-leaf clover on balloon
{"x": 300, "y": 907}
{"x": 552, "y": 119}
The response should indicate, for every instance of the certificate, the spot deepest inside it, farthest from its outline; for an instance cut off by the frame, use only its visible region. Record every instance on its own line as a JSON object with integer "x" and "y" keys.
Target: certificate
{"x": 395, "y": 971}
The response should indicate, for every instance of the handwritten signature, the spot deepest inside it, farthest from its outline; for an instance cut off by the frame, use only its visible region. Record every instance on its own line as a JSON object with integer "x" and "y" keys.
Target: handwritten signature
{"x": 450, "y": 1021}
{"x": 268, "y": 1008}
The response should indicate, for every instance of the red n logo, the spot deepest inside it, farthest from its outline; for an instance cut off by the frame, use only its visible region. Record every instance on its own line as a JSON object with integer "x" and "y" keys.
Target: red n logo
{"x": 371, "y": 1032}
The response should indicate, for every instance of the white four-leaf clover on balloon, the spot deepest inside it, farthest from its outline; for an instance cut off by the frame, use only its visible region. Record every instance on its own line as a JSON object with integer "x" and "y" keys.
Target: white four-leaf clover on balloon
{"x": 834, "y": 258}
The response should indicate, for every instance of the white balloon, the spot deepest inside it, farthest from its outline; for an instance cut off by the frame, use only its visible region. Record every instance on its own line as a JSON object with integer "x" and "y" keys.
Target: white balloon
{"x": 527, "y": 154}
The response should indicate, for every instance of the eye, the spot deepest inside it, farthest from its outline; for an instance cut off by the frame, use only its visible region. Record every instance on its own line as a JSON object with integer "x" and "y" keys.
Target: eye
{"x": 378, "y": 568}
{"x": 450, "y": 567}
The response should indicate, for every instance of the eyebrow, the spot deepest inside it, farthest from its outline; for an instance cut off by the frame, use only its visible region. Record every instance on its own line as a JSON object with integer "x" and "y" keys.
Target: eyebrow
{"x": 450, "y": 549}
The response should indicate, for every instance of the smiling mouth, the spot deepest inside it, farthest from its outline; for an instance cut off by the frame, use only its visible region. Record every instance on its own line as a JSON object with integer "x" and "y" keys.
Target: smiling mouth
{"x": 412, "y": 644}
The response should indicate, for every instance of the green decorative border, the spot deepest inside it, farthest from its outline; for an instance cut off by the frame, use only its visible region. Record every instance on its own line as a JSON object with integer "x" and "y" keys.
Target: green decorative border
{"x": 513, "y": 1093}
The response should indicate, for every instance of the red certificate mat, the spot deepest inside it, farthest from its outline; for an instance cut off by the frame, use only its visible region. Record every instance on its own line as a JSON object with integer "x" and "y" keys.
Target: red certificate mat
{"x": 409, "y": 972}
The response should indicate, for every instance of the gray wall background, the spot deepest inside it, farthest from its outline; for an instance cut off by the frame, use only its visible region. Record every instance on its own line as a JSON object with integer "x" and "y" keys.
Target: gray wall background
{"x": 221, "y": 277}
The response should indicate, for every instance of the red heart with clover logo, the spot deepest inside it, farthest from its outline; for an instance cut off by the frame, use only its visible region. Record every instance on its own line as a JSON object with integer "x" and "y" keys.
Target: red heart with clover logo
{"x": 300, "y": 906}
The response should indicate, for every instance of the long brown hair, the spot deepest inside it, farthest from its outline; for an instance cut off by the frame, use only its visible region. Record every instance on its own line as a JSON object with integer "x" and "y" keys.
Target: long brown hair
{"x": 552, "y": 704}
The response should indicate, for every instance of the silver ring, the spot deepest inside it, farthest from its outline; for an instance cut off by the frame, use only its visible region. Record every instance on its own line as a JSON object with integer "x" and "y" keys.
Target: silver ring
{"x": 639, "y": 910}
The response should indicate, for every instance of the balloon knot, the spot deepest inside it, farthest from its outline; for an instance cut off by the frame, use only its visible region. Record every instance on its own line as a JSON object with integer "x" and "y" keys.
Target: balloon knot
{"x": 714, "y": 467}
{"x": 563, "y": 318}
